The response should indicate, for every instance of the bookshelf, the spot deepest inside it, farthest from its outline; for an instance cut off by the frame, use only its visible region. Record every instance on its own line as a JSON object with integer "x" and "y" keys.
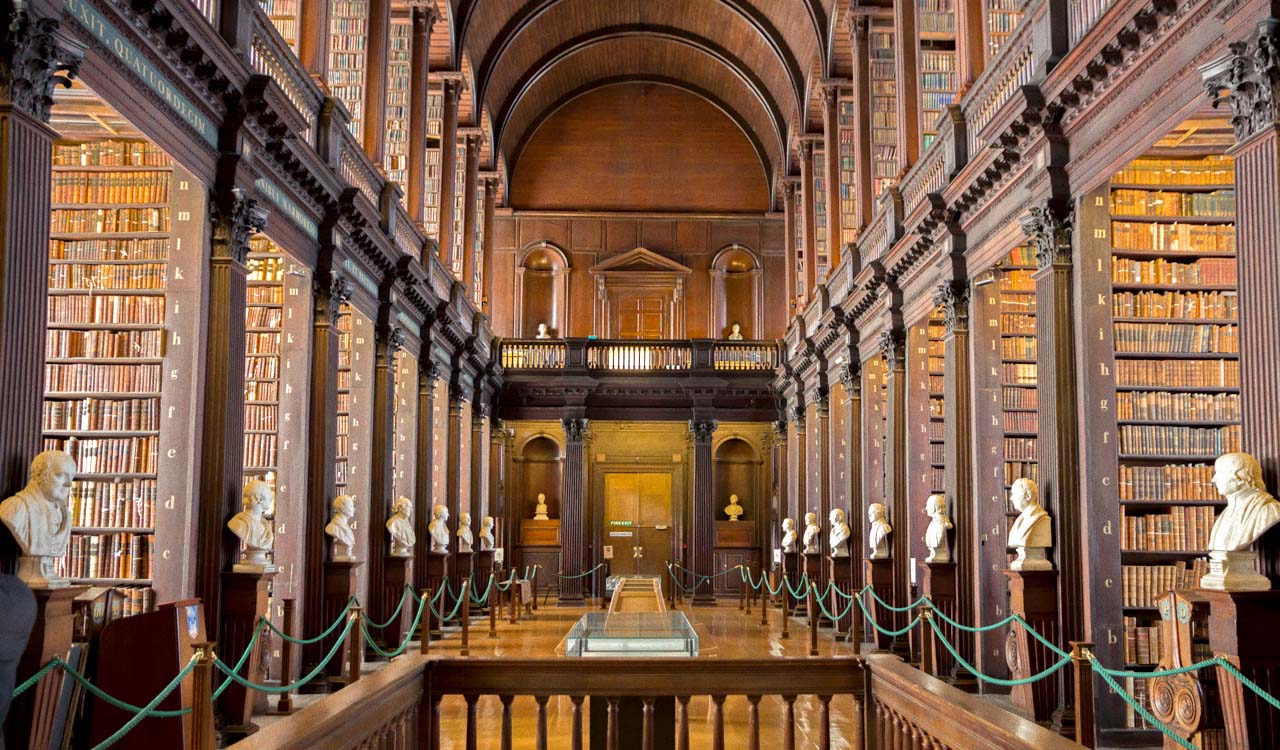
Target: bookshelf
{"x": 848, "y": 172}
{"x": 937, "y": 60}
{"x": 884, "y": 105}
{"x": 405, "y": 420}
{"x": 477, "y": 285}
{"x": 263, "y": 375}
{"x": 431, "y": 191}
{"x": 1018, "y": 369}
{"x": 284, "y": 16}
{"x": 1003, "y": 17}
{"x": 820, "y": 249}
{"x": 937, "y": 440}
{"x": 459, "y": 203}
{"x": 348, "y": 35}
{"x": 926, "y": 443}
{"x": 396, "y": 158}
{"x": 874, "y": 429}
{"x": 342, "y": 446}
{"x": 801, "y": 260}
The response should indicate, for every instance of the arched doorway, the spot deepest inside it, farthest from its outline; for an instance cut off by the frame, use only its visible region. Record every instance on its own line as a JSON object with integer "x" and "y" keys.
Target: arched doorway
{"x": 542, "y": 291}
{"x": 737, "y": 470}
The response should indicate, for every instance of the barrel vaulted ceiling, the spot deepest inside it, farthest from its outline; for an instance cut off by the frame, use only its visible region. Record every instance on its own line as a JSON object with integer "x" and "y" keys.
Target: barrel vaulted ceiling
{"x": 756, "y": 60}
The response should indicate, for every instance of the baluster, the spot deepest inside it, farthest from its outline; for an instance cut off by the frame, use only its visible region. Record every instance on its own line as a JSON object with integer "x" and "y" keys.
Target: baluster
{"x": 506, "y": 720}
{"x": 899, "y": 732}
{"x": 789, "y": 722}
{"x": 435, "y": 721}
{"x": 717, "y": 722}
{"x": 542, "y": 721}
{"x": 646, "y": 735}
{"x": 915, "y": 737}
{"x": 577, "y": 722}
{"x": 824, "y": 722}
{"x": 611, "y": 732}
{"x": 472, "y": 719}
{"x": 682, "y": 722}
{"x": 753, "y": 722}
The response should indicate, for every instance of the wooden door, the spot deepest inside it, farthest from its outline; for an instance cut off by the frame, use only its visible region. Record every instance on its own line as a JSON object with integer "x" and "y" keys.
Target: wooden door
{"x": 641, "y": 316}
{"x": 638, "y": 514}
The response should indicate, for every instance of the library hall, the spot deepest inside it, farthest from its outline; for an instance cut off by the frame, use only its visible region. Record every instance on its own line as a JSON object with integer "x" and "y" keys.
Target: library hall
{"x": 640, "y": 374}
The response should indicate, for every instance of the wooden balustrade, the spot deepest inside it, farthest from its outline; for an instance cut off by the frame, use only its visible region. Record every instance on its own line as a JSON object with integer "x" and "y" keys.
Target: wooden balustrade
{"x": 639, "y": 356}
{"x": 532, "y": 355}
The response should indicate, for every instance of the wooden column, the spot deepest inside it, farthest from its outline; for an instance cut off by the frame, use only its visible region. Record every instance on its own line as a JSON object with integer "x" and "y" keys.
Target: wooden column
{"x": 424, "y": 18}
{"x": 457, "y": 464}
{"x": 779, "y": 483}
{"x": 469, "y": 185}
{"x": 893, "y": 347}
{"x": 573, "y": 510}
{"x": 971, "y": 43}
{"x": 808, "y": 218}
{"x": 389, "y": 338}
{"x": 451, "y": 94}
{"x": 863, "y": 193}
{"x": 850, "y": 377}
{"x": 1049, "y": 227}
{"x": 908, "y": 88}
{"x": 479, "y": 467}
{"x": 29, "y": 60}
{"x": 486, "y": 264}
{"x": 702, "y": 540}
{"x": 220, "y": 472}
{"x": 821, "y": 475}
{"x": 322, "y": 419}
{"x": 374, "y": 118}
{"x": 796, "y": 453}
{"x": 789, "y": 242}
{"x": 831, "y": 162}
{"x": 313, "y": 38}
{"x": 428, "y": 374}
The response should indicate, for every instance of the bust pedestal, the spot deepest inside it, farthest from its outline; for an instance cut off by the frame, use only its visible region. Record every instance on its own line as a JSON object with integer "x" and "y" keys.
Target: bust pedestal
{"x": 339, "y": 587}
{"x": 879, "y": 575}
{"x": 1033, "y": 594}
{"x": 791, "y": 570}
{"x": 938, "y": 582}
{"x": 463, "y": 568}
{"x": 31, "y": 716}
{"x": 1242, "y": 628}
{"x": 244, "y": 602}
{"x": 398, "y": 572}
{"x": 840, "y": 573}
{"x": 437, "y": 574}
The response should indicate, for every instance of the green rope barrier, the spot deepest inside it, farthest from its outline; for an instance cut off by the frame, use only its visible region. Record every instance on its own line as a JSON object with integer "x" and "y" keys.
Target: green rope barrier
{"x": 244, "y": 657}
{"x": 996, "y": 680}
{"x": 1011, "y": 618}
{"x": 33, "y": 679}
{"x": 408, "y": 592}
{"x": 510, "y": 580}
{"x": 1231, "y": 668}
{"x": 704, "y": 578}
{"x": 578, "y": 575}
{"x": 1141, "y": 710}
{"x": 918, "y": 602}
{"x": 881, "y": 628}
{"x": 408, "y": 636}
{"x": 763, "y": 583}
{"x": 457, "y": 605}
{"x": 848, "y": 608}
{"x": 471, "y": 591}
{"x": 1158, "y": 672}
{"x": 804, "y": 584}
{"x": 675, "y": 579}
{"x": 308, "y": 641}
{"x": 337, "y": 646}
{"x": 149, "y": 709}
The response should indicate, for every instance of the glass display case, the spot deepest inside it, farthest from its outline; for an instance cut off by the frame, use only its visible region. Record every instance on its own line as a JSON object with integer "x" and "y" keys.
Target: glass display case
{"x": 631, "y": 635}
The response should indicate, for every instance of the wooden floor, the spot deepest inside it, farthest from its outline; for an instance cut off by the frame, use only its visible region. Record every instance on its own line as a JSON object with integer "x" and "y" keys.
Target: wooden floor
{"x": 724, "y": 633}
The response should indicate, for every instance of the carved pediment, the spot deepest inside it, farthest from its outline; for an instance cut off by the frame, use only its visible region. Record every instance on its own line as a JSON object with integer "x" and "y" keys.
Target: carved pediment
{"x": 640, "y": 260}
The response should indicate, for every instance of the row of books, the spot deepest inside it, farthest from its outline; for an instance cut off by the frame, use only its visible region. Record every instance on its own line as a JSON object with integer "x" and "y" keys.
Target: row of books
{"x": 937, "y": 453}
{"x": 1019, "y": 398}
{"x": 1218, "y": 204}
{"x": 81, "y": 378}
{"x": 85, "y": 220}
{"x": 1018, "y": 347}
{"x": 262, "y": 367}
{"x": 1196, "y": 305}
{"x": 1020, "y": 449}
{"x": 262, "y": 343}
{"x": 1015, "y": 470}
{"x": 1018, "y": 373}
{"x": 937, "y": 429}
{"x": 1209, "y": 170}
{"x": 936, "y": 407}
{"x": 261, "y": 391}
{"x": 1178, "y": 407}
{"x": 1180, "y": 373}
{"x": 260, "y": 417}
{"x": 1021, "y": 421}
{"x": 1017, "y": 280}
{"x": 132, "y": 455}
{"x": 1181, "y": 528}
{"x": 115, "y": 249}
{"x": 260, "y": 450}
{"x": 129, "y": 309}
{"x": 1017, "y": 323}
{"x": 1177, "y": 338}
{"x": 111, "y": 187}
{"x": 135, "y": 600}
{"x": 113, "y": 277}
{"x": 114, "y": 504}
{"x": 1142, "y": 584}
{"x": 65, "y": 342}
{"x": 1179, "y": 440}
{"x": 109, "y": 153}
{"x": 123, "y": 555}
{"x": 263, "y": 317}
{"x": 265, "y": 295}
{"x": 1174, "y": 482}
{"x": 1173, "y": 238}
{"x": 115, "y": 415}
{"x": 1208, "y": 271}
{"x": 269, "y": 268}
{"x": 936, "y": 383}
{"x": 1143, "y": 644}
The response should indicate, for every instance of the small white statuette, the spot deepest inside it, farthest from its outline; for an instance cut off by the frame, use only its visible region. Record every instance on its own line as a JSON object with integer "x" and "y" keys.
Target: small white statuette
{"x": 733, "y": 510}
{"x": 735, "y": 332}
{"x": 543, "y": 333}
{"x": 1250, "y": 512}
{"x": 1032, "y": 531}
{"x": 486, "y": 534}
{"x": 400, "y": 526}
{"x": 789, "y": 535}
{"x": 344, "y": 537}
{"x": 40, "y": 519}
{"x": 812, "y": 534}
{"x": 254, "y": 528}
{"x": 465, "y": 537}
{"x": 878, "y": 538}
{"x": 540, "y": 510}
{"x": 935, "y": 537}
{"x": 439, "y": 531}
{"x": 838, "y": 538}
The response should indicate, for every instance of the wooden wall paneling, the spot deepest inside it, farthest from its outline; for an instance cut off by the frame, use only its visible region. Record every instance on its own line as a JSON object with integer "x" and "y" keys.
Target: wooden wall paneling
{"x": 360, "y": 459}
{"x": 388, "y": 338}
{"x": 313, "y": 37}
{"x": 620, "y": 235}
{"x": 451, "y": 93}
{"x": 480, "y": 456}
{"x": 424, "y": 18}
{"x": 424, "y": 459}
{"x": 908, "y": 88}
{"x": 971, "y": 47}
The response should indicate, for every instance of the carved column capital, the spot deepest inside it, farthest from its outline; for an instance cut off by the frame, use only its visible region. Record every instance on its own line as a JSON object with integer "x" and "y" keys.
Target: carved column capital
{"x": 332, "y": 298}
{"x": 703, "y": 430}
{"x": 953, "y": 298}
{"x": 1049, "y": 229}
{"x": 848, "y": 374}
{"x": 796, "y": 412}
{"x": 893, "y": 348}
{"x": 575, "y": 429}
{"x": 31, "y": 58}
{"x": 235, "y": 219}
{"x": 1248, "y": 79}
{"x": 395, "y": 339}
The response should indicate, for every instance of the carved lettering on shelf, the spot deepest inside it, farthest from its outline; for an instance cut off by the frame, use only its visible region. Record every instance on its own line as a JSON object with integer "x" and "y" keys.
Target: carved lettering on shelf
{"x": 31, "y": 59}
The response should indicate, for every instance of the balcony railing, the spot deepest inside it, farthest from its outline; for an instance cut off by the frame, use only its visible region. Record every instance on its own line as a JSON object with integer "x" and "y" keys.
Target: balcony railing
{"x": 615, "y": 355}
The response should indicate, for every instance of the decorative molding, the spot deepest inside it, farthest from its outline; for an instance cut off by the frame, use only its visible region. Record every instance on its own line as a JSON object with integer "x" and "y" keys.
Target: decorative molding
{"x": 849, "y": 373}
{"x": 339, "y": 293}
{"x": 703, "y": 430}
{"x": 395, "y": 339}
{"x": 1050, "y": 231}
{"x": 31, "y": 57}
{"x": 575, "y": 430}
{"x": 953, "y": 298}
{"x": 232, "y": 229}
{"x": 1248, "y": 79}
{"x": 893, "y": 348}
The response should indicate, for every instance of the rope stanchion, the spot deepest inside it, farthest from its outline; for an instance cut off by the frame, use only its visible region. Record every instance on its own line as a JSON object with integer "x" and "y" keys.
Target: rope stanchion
{"x": 493, "y": 611}
{"x": 466, "y": 617}
{"x": 424, "y": 635}
{"x": 354, "y": 659}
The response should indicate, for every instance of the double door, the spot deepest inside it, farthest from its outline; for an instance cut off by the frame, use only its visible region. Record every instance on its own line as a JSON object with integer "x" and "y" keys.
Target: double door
{"x": 637, "y": 522}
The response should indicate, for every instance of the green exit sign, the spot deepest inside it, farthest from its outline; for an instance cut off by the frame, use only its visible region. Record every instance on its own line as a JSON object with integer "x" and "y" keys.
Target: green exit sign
{"x": 621, "y": 523}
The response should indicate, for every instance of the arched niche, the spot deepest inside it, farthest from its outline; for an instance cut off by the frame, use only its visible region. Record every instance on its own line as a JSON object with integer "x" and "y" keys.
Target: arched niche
{"x": 542, "y": 290}
{"x": 736, "y": 472}
{"x": 736, "y": 292}
{"x": 541, "y": 468}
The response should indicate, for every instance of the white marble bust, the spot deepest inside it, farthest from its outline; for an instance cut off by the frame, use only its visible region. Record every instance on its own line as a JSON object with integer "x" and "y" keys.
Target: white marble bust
{"x": 1250, "y": 512}
{"x": 540, "y": 510}
{"x": 838, "y": 538}
{"x": 439, "y": 531}
{"x": 400, "y": 526}
{"x": 40, "y": 519}
{"x": 253, "y": 528}
{"x": 1032, "y": 531}
{"x": 465, "y": 537}
{"x": 733, "y": 510}
{"x": 935, "y": 536}
{"x": 486, "y": 534}
{"x": 344, "y": 537}
{"x": 543, "y": 333}
{"x": 789, "y": 535}
{"x": 812, "y": 534}
{"x": 878, "y": 537}
{"x": 735, "y": 332}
